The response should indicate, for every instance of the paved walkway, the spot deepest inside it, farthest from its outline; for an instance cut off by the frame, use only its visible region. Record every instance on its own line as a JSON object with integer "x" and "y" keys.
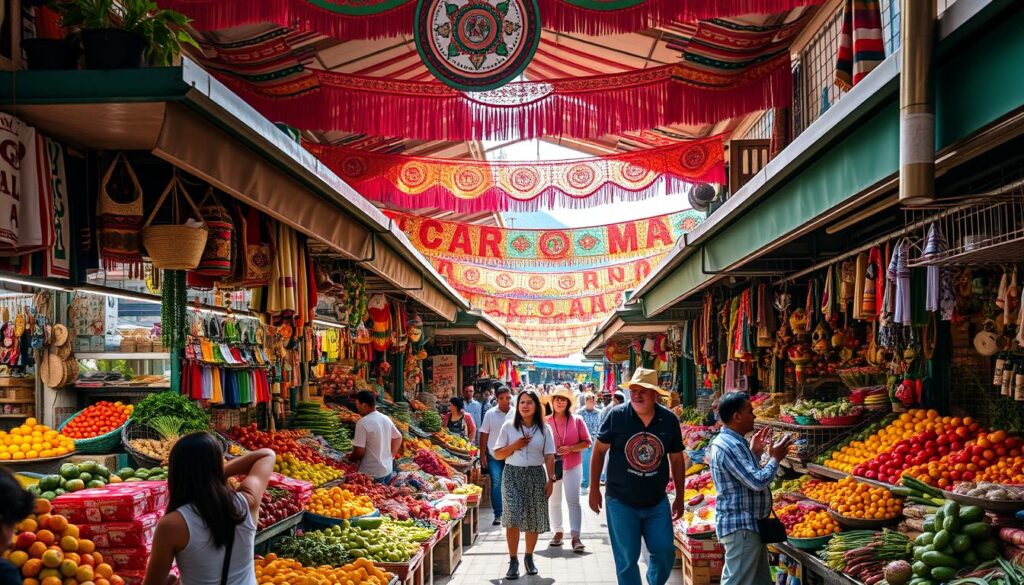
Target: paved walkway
{"x": 487, "y": 560}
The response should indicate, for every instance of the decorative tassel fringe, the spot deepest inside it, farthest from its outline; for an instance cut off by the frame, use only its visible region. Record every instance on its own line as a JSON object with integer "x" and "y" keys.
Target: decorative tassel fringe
{"x": 300, "y": 14}
{"x": 438, "y": 113}
{"x": 569, "y": 16}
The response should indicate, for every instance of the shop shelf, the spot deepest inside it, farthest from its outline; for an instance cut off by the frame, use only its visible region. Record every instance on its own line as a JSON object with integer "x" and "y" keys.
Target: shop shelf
{"x": 158, "y": 355}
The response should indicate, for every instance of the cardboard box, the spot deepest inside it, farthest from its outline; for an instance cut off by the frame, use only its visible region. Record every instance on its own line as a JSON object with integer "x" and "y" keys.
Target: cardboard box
{"x": 116, "y": 535}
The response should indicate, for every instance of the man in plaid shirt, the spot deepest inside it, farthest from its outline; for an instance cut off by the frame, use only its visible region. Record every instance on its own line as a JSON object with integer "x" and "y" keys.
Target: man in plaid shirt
{"x": 744, "y": 495}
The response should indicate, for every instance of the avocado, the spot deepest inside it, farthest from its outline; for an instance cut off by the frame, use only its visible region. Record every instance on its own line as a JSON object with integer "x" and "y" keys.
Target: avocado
{"x": 69, "y": 471}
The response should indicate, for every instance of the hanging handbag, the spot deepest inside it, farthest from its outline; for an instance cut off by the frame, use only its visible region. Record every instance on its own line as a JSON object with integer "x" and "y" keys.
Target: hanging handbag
{"x": 218, "y": 254}
{"x": 771, "y": 529}
{"x": 255, "y": 249}
{"x": 177, "y": 246}
{"x": 120, "y": 224}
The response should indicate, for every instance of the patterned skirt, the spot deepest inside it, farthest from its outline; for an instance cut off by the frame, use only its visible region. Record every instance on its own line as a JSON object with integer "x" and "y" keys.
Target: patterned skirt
{"x": 523, "y": 503}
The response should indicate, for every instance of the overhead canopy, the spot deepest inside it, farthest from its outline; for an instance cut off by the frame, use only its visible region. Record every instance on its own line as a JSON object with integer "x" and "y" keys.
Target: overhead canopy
{"x": 185, "y": 117}
{"x": 851, "y": 154}
{"x": 476, "y": 326}
{"x": 626, "y": 323}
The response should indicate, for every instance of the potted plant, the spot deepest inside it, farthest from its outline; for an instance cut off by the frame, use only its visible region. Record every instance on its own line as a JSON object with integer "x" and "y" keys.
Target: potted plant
{"x": 49, "y": 49}
{"x": 125, "y": 34}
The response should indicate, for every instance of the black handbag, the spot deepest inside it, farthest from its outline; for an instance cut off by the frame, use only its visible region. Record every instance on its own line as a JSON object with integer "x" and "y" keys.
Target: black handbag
{"x": 771, "y": 529}
{"x": 559, "y": 469}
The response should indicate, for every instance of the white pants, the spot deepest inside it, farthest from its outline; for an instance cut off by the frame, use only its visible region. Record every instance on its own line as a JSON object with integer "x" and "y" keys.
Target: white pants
{"x": 570, "y": 483}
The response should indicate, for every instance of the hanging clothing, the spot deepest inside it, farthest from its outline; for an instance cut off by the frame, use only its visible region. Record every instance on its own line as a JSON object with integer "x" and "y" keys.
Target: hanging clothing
{"x": 898, "y": 275}
{"x": 860, "y": 281}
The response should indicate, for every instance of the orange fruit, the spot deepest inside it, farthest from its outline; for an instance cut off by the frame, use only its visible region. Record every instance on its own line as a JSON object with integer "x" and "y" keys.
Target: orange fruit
{"x": 18, "y": 558}
{"x": 46, "y": 537}
{"x": 115, "y": 580}
{"x": 37, "y": 549}
{"x": 86, "y": 546}
{"x": 52, "y": 558}
{"x": 58, "y": 523}
{"x": 68, "y": 568}
{"x": 52, "y": 580}
{"x": 86, "y": 573}
{"x": 27, "y": 525}
{"x": 97, "y": 557}
{"x": 104, "y": 570}
{"x": 69, "y": 543}
{"x": 44, "y": 521}
{"x": 87, "y": 560}
{"x": 42, "y": 506}
{"x": 70, "y": 556}
{"x": 102, "y": 582}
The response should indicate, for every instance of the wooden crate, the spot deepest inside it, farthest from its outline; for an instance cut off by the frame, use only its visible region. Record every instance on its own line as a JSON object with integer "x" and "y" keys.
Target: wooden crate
{"x": 470, "y": 526}
{"x": 410, "y": 573}
{"x": 702, "y": 561}
{"x": 448, "y": 550}
{"x": 428, "y": 562}
{"x": 485, "y": 496}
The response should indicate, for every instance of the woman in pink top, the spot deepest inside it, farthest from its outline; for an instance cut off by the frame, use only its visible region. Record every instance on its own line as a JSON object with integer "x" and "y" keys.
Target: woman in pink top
{"x": 571, "y": 439}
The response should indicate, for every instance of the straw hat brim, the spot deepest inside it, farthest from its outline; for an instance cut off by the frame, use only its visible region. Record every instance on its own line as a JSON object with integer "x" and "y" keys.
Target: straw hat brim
{"x": 644, "y": 385}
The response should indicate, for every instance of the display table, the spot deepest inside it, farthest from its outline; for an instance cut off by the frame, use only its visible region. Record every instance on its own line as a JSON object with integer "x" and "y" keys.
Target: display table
{"x": 812, "y": 564}
{"x": 284, "y": 527}
{"x": 471, "y": 524}
{"x": 448, "y": 550}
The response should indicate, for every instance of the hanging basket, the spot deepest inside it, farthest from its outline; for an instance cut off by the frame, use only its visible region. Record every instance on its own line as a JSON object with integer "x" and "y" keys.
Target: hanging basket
{"x": 174, "y": 246}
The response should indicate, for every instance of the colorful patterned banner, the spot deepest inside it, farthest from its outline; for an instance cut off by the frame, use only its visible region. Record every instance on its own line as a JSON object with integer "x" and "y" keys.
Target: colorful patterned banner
{"x": 467, "y": 186}
{"x": 362, "y": 19}
{"x": 586, "y": 309}
{"x": 604, "y": 244}
{"x": 512, "y": 284}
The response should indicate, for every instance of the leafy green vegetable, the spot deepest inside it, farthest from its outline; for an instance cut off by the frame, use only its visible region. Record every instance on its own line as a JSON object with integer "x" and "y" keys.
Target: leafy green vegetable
{"x": 312, "y": 551}
{"x": 172, "y": 404}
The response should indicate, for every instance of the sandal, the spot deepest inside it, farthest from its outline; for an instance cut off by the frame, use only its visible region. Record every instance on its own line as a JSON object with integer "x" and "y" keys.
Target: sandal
{"x": 577, "y": 545}
{"x": 556, "y": 540}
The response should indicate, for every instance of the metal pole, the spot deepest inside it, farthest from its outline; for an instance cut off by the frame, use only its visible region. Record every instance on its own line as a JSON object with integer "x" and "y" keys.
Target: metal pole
{"x": 917, "y": 103}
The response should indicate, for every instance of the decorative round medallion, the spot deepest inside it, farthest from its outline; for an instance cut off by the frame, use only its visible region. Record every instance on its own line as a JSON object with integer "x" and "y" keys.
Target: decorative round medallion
{"x": 354, "y": 167}
{"x": 634, "y": 173}
{"x": 477, "y": 45}
{"x": 504, "y": 280}
{"x": 413, "y": 174}
{"x": 472, "y": 275}
{"x": 580, "y": 176}
{"x": 536, "y": 282}
{"x": 566, "y": 281}
{"x": 693, "y": 158}
{"x": 554, "y": 244}
{"x": 524, "y": 179}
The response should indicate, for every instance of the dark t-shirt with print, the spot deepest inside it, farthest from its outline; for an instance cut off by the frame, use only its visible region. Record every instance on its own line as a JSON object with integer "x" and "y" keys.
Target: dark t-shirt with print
{"x": 638, "y": 466}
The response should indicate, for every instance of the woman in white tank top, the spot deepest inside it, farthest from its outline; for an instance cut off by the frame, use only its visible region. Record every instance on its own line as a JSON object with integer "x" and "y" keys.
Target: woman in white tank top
{"x": 205, "y": 517}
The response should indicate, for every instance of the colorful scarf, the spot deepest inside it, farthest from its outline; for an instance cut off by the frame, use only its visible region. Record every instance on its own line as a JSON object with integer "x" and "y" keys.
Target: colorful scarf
{"x": 861, "y": 48}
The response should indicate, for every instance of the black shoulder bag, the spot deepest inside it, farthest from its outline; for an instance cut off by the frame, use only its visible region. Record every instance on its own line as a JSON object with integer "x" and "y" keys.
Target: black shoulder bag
{"x": 771, "y": 529}
{"x": 227, "y": 558}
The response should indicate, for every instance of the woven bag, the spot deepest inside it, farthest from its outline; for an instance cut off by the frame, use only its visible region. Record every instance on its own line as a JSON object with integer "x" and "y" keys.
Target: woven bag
{"x": 120, "y": 223}
{"x": 218, "y": 255}
{"x": 174, "y": 246}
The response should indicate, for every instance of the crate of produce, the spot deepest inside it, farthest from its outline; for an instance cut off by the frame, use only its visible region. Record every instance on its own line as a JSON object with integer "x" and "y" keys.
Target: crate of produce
{"x": 408, "y": 573}
{"x": 448, "y": 550}
{"x": 105, "y": 443}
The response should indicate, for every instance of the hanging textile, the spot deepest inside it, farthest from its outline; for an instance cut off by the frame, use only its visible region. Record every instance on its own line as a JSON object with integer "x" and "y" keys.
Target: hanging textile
{"x": 291, "y": 292}
{"x": 373, "y": 19}
{"x": 940, "y": 296}
{"x": 597, "y": 245}
{"x": 522, "y": 284}
{"x": 468, "y": 185}
{"x": 733, "y": 68}
{"x": 56, "y": 259}
{"x": 548, "y": 311}
{"x": 861, "y": 47}
{"x": 860, "y": 284}
{"x": 898, "y": 275}
{"x": 26, "y": 200}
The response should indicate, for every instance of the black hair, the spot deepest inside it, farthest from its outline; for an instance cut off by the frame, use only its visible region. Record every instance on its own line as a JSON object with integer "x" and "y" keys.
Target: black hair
{"x": 730, "y": 404}
{"x": 538, "y": 415}
{"x": 502, "y": 390}
{"x": 458, "y": 402}
{"x": 619, "y": 397}
{"x": 366, "y": 397}
{"x": 15, "y": 502}
{"x": 195, "y": 475}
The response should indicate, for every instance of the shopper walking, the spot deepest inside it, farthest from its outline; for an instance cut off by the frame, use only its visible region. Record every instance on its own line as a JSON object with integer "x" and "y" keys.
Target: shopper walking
{"x": 643, "y": 442}
{"x": 489, "y": 431}
{"x": 209, "y": 529}
{"x": 527, "y": 447}
{"x": 592, "y": 418}
{"x": 457, "y": 421}
{"x": 571, "y": 438}
{"x": 15, "y": 505}
{"x": 376, "y": 440}
{"x": 618, "y": 399}
{"x": 744, "y": 495}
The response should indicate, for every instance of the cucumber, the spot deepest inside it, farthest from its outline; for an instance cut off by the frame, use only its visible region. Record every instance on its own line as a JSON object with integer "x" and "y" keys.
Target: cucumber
{"x": 940, "y": 516}
{"x": 969, "y": 514}
{"x": 925, "y": 538}
{"x": 961, "y": 543}
{"x": 919, "y": 553}
{"x": 937, "y": 559}
{"x": 951, "y": 508}
{"x": 942, "y": 539}
{"x": 903, "y": 492}
{"x": 943, "y": 573}
{"x": 921, "y": 570}
{"x": 951, "y": 523}
{"x": 976, "y": 530}
{"x": 929, "y": 524}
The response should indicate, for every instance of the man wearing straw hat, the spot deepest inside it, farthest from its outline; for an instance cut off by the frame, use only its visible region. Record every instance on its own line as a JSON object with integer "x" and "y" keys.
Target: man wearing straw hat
{"x": 643, "y": 443}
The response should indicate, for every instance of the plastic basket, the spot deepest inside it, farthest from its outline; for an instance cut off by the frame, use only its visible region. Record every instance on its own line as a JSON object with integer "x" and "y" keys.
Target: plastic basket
{"x": 805, "y": 420}
{"x": 810, "y": 543}
{"x": 105, "y": 443}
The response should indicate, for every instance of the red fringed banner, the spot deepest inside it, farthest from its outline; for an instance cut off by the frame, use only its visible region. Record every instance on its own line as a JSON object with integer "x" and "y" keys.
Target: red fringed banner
{"x": 471, "y": 186}
{"x": 580, "y": 106}
{"x": 369, "y": 19}
{"x": 548, "y": 311}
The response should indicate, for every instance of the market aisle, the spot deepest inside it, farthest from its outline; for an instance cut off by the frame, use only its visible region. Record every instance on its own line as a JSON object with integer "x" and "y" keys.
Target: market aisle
{"x": 487, "y": 560}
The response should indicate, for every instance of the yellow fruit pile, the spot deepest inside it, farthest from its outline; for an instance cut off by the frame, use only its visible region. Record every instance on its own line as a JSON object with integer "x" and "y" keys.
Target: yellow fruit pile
{"x": 412, "y": 446}
{"x": 33, "y": 441}
{"x": 338, "y": 503}
{"x": 454, "y": 441}
{"x": 815, "y": 524}
{"x": 910, "y": 423}
{"x": 315, "y": 473}
{"x": 272, "y": 570}
{"x": 820, "y": 491}
{"x": 860, "y": 500}
{"x": 469, "y": 489}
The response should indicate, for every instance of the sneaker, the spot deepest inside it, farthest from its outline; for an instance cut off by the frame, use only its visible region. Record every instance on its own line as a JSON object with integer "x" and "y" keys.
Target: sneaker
{"x": 496, "y": 521}
{"x": 556, "y": 540}
{"x": 531, "y": 569}
{"x": 577, "y": 545}
{"x": 513, "y": 568}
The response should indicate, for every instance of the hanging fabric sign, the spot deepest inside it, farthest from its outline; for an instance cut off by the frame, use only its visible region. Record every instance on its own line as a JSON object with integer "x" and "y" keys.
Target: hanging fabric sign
{"x": 25, "y": 199}
{"x": 472, "y": 186}
{"x": 369, "y": 19}
{"x": 547, "y": 311}
{"x": 519, "y": 284}
{"x": 57, "y": 259}
{"x": 476, "y": 45}
{"x": 641, "y": 238}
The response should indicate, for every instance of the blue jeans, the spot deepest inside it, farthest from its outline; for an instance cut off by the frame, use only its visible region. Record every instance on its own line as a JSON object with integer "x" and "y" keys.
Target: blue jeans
{"x": 746, "y": 559}
{"x": 496, "y": 468}
{"x": 626, "y": 525}
{"x": 586, "y": 468}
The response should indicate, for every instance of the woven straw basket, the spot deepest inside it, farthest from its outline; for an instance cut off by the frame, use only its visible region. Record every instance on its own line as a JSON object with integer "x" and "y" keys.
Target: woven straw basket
{"x": 176, "y": 246}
